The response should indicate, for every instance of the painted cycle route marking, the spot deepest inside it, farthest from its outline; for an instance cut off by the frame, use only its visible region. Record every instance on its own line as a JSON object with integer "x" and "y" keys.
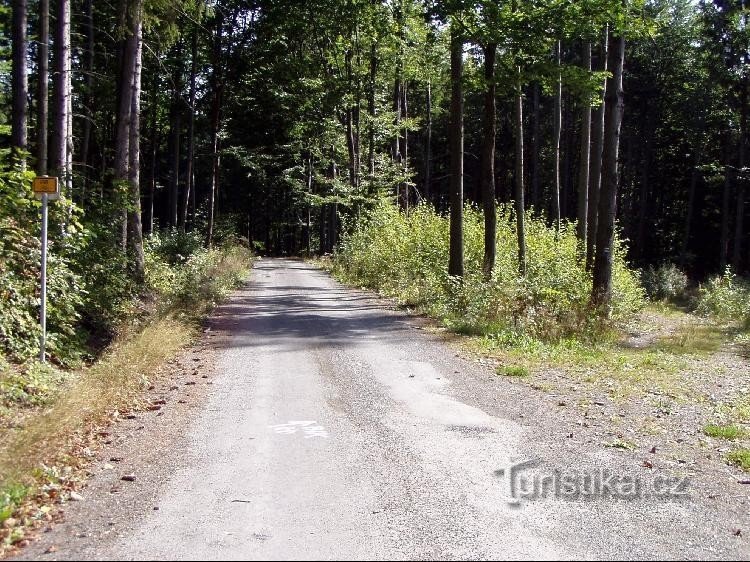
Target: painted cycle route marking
{"x": 310, "y": 429}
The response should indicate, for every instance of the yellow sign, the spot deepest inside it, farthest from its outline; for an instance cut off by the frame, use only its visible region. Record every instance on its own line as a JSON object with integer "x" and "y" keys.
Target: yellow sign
{"x": 45, "y": 184}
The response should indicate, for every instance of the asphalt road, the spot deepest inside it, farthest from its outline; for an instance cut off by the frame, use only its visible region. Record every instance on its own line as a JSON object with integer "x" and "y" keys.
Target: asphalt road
{"x": 339, "y": 428}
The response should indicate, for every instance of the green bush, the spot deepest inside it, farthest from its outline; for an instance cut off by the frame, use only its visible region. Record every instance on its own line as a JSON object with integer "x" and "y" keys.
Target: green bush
{"x": 664, "y": 282}
{"x": 20, "y": 251}
{"x": 726, "y": 298}
{"x": 90, "y": 289}
{"x": 203, "y": 276}
{"x": 406, "y": 256}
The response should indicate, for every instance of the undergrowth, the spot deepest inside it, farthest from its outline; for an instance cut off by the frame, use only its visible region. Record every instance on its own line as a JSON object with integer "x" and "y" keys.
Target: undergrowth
{"x": 406, "y": 255}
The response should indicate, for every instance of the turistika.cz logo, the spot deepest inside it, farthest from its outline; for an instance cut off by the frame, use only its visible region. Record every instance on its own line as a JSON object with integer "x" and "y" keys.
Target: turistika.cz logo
{"x": 524, "y": 483}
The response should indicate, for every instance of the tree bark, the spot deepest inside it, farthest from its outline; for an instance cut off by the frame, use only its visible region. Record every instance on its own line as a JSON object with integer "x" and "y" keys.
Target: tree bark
{"x": 19, "y": 81}
{"x": 535, "y": 147}
{"x": 88, "y": 117}
{"x": 595, "y": 175}
{"x": 42, "y": 119}
{"x": 371, "y": 108}
{"x": 519, "y": 183}
{"x": 218, "y": 87}
{"x": 557, "y": 118}
{"x": 583, "y": 170}
{"x": 135, "y": 230}
{"x": 456, "y": 143}
{"x": 175, "y": 122}
{"x": 189, "y": 169}
{"x": 605, "y": 240}
{"x": 59, "y": 148}
{"x": 739, "y": 227}
{"x": 428, "y": 143}
{"x": 725, "y": 211}
{"x": 488, "y": 161}
{"x": 691, "y": 204}
{"x": 125, "y": 112}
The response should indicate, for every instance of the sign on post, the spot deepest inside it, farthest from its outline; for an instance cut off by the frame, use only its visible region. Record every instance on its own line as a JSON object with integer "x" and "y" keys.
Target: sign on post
{"x": 47, "y": 189}
{"x": 46, "y": 185}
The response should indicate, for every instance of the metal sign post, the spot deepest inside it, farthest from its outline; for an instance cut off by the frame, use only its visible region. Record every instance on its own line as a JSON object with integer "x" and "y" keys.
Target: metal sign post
{"x": 48, "y": 189}
{"x": 43, "y": 307}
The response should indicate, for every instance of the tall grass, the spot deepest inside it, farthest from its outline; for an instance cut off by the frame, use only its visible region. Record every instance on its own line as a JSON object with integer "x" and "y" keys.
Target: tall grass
{"x": 406, "y": 255}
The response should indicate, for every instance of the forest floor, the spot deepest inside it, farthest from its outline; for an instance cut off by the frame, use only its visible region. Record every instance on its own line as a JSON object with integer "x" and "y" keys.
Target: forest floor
{"x": 332, "y": 425}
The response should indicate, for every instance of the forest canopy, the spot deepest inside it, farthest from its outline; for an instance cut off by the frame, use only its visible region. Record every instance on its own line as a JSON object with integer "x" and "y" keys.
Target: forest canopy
{"x": 287, "y": 124}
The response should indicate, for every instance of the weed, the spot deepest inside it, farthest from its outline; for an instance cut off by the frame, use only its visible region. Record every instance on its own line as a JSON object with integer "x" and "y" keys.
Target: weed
{"x": 513, "y": 371}
{"x": 740, "y": 457}
{"x": 729, "y": 432}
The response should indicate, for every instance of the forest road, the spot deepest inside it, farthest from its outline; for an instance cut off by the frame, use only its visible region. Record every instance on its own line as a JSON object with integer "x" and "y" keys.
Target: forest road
{"x": 338, "y": 427}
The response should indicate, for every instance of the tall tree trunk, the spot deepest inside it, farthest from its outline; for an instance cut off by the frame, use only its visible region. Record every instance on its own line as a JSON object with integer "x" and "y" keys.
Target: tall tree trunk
{"x": 218, "y": 87}
{"x": 557, "y": 119}
{"x": 404, "y": 142}
{"x": 535, "y": 147}
{"x": 349, "y": 120}
{"x": 371, "y": 109}
{"x": 189, "y": 172}
{"x": 175, "y": 122}
{"x": 595, "y": 176}
{"x": 605, "y": 239}
{"x": 135, "y": 230}
{"x": 725, "y": 211}
{"x": 154, "y": 149}
{"x": 125, "y": 113}
{"x": 19, "y": 81}
{"x": 519, "y": 171}
{"x": 43, "y": 89}
{"x": 739, "y": 226}
{"x": 456, "y": 144}
{"x": 691, "y": 203}
{"x": 88, "y": 117}
{"x": 59, "y": 148}
{"x": 583, "y": 170}
{"x": 428, "y": 143}
{"x": 310, "y": 175}
{"x": 488, "y": 161}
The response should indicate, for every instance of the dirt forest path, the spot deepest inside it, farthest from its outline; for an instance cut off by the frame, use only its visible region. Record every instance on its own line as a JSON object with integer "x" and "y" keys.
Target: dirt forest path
{"x": 337, "y": 427}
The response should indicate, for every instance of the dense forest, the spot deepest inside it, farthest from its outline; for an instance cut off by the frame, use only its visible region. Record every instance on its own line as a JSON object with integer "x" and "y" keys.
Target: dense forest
{"x": 287, "y": 124}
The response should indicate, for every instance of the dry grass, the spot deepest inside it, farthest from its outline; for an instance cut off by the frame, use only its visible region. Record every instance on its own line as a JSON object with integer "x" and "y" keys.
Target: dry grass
{"x": 113, "y": 383}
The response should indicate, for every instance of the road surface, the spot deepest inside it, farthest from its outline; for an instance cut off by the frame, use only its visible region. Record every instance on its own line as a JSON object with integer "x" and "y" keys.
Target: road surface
{"x": 337, "y": 427}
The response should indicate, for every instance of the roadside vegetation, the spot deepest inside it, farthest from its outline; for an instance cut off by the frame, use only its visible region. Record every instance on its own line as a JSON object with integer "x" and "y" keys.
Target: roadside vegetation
{"x": 108, "y": 335}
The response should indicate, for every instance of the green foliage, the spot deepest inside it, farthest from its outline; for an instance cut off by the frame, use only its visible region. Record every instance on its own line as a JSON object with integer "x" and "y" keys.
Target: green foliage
{"x": 20, "y": 269}
{"x": 729, "y": 432}
{"x": 740, "y": 458}
{"x": 11, "y": 496}
{"x": 513, "y": 371}
{"x": 33, "y": 385}
{"x": 405, "y": 256}
{"x": 664, "y": 282}
{"x": 198, "y": 279}
{"x": 725, "y": 298}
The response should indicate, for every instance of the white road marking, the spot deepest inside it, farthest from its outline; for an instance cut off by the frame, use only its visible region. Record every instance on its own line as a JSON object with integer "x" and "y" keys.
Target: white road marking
{"x": 309, "y": 428}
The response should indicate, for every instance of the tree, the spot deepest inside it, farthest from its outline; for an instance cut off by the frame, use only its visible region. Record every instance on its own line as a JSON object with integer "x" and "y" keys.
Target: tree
{"x": 19, "y": 81}
{"x": 597, "y": 151}
{"x": 488, "y": 160}
{"x": 42, "y": 117}
{"x": 605, "y": 238}
{"x": 456, "y": 134}
{"x": 59, "y": 161}
{"x": 585, "y": 147}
